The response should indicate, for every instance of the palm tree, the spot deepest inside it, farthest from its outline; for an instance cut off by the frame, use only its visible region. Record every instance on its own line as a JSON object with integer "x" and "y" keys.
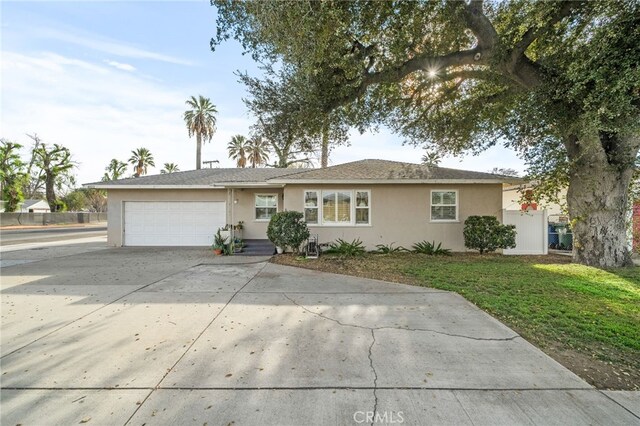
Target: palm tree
{"x": 114, "y": 170}
{"x": 141, "y": 158}
{"x": 170, "y": 168}
{"x": 258, "y": 152}
{"x": 201, "y": 121}
{"x": 238, "y": 150}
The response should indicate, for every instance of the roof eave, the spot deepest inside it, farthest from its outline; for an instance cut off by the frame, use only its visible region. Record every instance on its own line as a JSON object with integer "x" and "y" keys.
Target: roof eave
{"x": 212, "y": 186}
{"x": 391, "y": 181}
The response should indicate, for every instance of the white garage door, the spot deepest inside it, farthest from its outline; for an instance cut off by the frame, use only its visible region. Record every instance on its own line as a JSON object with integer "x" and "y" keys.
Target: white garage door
{"x": 172, "y": 223}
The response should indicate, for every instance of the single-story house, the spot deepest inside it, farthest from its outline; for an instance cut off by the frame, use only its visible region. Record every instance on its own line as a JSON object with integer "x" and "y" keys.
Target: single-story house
{"x": 34, "y": 206}
{"x": 377, "y": 201}
{"x": 30, "y": 206}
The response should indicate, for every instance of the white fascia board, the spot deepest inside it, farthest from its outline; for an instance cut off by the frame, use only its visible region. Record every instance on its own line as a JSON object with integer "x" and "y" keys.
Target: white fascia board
{"x": 390, "y": 182}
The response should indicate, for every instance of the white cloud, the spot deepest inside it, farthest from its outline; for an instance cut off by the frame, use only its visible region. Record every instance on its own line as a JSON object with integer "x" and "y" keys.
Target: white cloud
{"x": 121, "y": 66}
{"x": 104, "y": 45}
{"x": 100, "y": 113}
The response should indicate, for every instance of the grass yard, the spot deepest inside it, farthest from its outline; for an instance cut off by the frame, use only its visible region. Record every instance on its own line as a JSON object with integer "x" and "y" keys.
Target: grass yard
{"x": 586, "y": 318}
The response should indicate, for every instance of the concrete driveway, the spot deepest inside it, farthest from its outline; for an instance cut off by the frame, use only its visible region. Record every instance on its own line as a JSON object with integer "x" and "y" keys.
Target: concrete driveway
{"x": 161, "y": 336}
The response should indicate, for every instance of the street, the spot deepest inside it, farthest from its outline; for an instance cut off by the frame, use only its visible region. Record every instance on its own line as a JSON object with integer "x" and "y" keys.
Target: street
{"x": 12, "y": 236}
{"x": 27, "y": 245}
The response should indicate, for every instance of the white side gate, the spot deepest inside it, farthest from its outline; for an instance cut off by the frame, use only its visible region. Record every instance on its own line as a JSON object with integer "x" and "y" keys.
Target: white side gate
{"x": 532, "y": 231}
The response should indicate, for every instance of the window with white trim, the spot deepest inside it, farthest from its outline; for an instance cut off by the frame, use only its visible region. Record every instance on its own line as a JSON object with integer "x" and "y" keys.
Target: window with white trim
{"x": 362, "y": 207}
{"x": 337, "y": 207}
{"x": 266, "y": 206}
{"x": 311, "y": 207}
{"x": 444, "y": 205}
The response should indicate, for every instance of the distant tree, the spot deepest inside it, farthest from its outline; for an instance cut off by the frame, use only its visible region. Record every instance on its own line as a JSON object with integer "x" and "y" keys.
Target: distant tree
{"x": 115, "y": 170}
{"x": 96, "y": 199}
{"x": 504, "y": 171}
{"x": 141, "y": 159}
{"x": 170, "y": 168}
{"x": 200, "y": 121}
{"x": 34, "y": 182}
{"x": 91, "y": 199}
{"x": 431, "y": 158}
{"x": 12, "y": 175}
{"x": 258, "y": 151}
{"x": 56, "y": 165}
{"x": 237, "y": 148}
{"x": 294, "y": 129}
{"x": 76, "y": 200}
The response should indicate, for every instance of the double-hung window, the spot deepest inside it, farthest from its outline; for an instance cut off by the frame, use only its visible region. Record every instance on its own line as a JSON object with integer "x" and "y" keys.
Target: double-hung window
{"x": 266, "y": 206}
{"x": 444, "y": 206}
{"x": 362, "y": 207}
{"x": 337, "y": 207}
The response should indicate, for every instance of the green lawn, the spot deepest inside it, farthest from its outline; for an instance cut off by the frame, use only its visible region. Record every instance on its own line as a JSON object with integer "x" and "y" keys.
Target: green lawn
{"x": 588, "y": 309}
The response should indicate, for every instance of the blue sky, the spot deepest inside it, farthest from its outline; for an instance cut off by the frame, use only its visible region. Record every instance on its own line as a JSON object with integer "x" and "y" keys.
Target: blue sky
{"x": 104, "y": 78}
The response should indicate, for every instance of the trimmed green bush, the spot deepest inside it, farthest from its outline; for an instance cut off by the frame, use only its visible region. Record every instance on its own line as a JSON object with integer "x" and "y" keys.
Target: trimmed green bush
{"x": 288, "y": 229}
{"x": 486, "y": 234}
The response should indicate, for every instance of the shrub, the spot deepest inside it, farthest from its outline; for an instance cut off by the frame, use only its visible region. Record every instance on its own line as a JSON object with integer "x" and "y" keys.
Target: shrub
{"x": 346, "y": 249}
{"x": 288, "y": 229}
{"x": 425, "y": 247}
{"x": 486, "y": 234}
{"x": 388, "y": 249}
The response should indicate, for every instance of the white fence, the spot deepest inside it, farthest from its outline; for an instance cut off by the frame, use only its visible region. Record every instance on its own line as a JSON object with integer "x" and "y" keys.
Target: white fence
{"x": 532, "y": 231}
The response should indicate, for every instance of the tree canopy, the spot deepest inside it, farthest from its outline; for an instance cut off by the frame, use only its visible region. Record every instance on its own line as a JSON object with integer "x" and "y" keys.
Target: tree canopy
{"x": 557, "y": 81}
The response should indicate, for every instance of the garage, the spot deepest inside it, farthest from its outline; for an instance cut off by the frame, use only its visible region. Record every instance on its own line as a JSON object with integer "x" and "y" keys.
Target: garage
{"x": 172, "y": 223}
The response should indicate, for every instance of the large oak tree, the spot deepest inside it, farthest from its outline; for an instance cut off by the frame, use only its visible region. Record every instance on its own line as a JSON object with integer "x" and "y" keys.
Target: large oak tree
{"x": 558, "y": 81}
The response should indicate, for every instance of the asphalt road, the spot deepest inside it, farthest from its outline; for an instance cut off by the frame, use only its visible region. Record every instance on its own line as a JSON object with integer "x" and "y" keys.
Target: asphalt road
{"x": 22, "y": 236}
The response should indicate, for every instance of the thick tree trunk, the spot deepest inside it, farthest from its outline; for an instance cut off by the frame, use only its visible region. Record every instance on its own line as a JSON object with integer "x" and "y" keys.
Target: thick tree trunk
{"x": 597, "y": 201}
{"x": 50, "y": 192}
{"x": 324, "y": 156}
{"x": 198, "y": 151}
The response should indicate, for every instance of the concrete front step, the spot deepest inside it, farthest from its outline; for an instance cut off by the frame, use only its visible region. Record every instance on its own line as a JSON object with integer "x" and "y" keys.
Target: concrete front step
{"x": 258, "y": 248}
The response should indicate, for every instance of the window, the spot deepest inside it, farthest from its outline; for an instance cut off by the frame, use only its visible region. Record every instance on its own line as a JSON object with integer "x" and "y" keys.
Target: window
{"x": 266, "y": 206}
{"x": 337, "y": 207}
{"x": 362, "y": 207}
{"x": 444, "y": 206}
{"x": 311, "y": 206}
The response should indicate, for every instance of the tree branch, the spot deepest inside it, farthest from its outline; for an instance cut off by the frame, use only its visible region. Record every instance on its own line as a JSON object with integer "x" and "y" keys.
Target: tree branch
{"x": 533, "y": 33}
{"x": 480, "y": 25}
{"x": 418, "y": 63}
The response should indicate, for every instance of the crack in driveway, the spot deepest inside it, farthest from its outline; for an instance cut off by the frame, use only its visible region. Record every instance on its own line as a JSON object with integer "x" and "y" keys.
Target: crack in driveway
{"x": 387, "y": 327}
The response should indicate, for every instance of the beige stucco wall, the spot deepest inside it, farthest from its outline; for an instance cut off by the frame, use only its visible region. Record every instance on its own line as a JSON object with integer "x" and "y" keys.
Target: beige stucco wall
{"x": 243, "y": 210}
{"x": 401, "y": 213}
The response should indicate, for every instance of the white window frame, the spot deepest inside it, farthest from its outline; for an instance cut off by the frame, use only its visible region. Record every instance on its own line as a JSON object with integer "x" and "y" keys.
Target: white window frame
{"x": 255, "y": 197}
{"x": 352, "y": 222}
{"x": 355, "y": 198}
{"x": 457, "y": 206}
{"x": 318, "y": 207}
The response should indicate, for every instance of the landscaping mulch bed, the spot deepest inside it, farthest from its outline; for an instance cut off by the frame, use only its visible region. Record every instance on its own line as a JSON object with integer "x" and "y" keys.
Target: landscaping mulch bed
{"x": 585, "y": 318}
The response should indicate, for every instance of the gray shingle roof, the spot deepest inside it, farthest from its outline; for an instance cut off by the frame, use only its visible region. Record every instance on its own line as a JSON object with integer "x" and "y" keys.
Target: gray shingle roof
{"x": 202, "y": 177}
{"x": 363, "y": 170}
{"x": 384, "y": 170}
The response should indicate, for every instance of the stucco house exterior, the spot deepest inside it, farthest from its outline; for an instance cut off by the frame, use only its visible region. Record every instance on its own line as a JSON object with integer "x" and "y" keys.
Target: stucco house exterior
{"x": 377, "y": 201}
